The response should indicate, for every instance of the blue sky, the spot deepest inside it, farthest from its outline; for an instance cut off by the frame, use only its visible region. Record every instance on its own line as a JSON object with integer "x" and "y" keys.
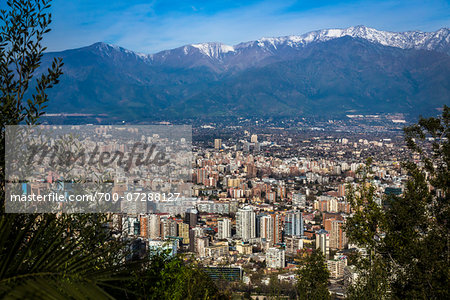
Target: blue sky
{"x": 151, "y": 26}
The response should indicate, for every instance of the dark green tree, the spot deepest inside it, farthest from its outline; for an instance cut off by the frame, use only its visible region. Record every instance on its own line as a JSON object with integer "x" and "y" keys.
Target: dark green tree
{"x": 407, "y": 239}
{"x": 418, "y": 232}
{"x": 313, "y": 277}
{"x": 372, "y": 281}
{"x": 23, "y": 26}
{"x": 166, "y": 277}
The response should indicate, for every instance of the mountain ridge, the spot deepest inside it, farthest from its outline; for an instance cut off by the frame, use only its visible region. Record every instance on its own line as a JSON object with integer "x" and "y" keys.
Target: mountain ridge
{"x": 332, "y": 73}
{"x": 221, "y": 57}
{"x": 408, "y": 39}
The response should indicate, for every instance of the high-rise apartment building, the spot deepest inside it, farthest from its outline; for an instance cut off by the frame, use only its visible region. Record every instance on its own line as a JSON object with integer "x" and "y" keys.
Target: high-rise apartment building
{"x": 164, "y": 228}
{"x": 154, "y": 226}
{"x": 131, "y": 226}
{"x": 194, "y": 235}
{"x": 337, "y": 266}
{"x": 143, "y": 222}
{"x": 191, "y": 217}
{"x": 254, "y": 138}
{"x": 266, "y": 228}
{"x": 270, "y": 228}
{"x": 217, "y": 144}
{"x": 257, "y": 147}
{"x": 201, "y": 244}
{"x": 246, "y": 223}
{"x": 224, "y": 229}
{"x": 323, "y": 242}
{"x": 293, "y": 224}
{"x": 277, "y": 228}
{"x": 341, "y": 190}
{"x": 183, "y": 232}
{"x": 246, "y": 146}
{"x": 338, "y": 238}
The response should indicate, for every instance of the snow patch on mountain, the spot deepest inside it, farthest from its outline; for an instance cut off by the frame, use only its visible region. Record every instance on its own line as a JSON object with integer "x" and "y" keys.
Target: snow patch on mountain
{"x": 106, "y": 48}
{"x": 213, "y": 50}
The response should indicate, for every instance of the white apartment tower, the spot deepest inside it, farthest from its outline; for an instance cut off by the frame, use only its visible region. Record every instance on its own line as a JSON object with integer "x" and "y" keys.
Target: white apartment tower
{"x": 224, "y": 229}
{"x": 246, "y": 223}
{"x": 323, "y": 242}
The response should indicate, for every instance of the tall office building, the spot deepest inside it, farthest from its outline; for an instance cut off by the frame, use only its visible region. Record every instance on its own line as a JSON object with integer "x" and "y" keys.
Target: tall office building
{"x": 246, "y": 223}
{"x": 293, "y": 224}
{"x": 323, "y": 242}
{"x": 224, "y": 229}
{"x": 217, "y": 144}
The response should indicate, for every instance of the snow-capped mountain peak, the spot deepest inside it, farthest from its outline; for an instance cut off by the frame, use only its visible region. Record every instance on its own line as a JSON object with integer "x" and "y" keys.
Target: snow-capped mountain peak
{"x": 213, "y": 50}
{"x": 404, "y": 40}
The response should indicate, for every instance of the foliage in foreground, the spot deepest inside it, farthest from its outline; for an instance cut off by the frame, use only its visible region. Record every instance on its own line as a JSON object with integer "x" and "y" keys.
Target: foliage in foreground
{"x": 313, "y": 277}
{"x": 75, "y": 256}
{"x": 44, "y": 256}
{"x": 165, "y": 277}
{"x": 407, "y": 239}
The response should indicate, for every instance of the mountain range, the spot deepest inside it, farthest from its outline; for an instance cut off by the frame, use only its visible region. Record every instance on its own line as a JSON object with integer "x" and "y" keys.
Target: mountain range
{"x": 329, "y": 72}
